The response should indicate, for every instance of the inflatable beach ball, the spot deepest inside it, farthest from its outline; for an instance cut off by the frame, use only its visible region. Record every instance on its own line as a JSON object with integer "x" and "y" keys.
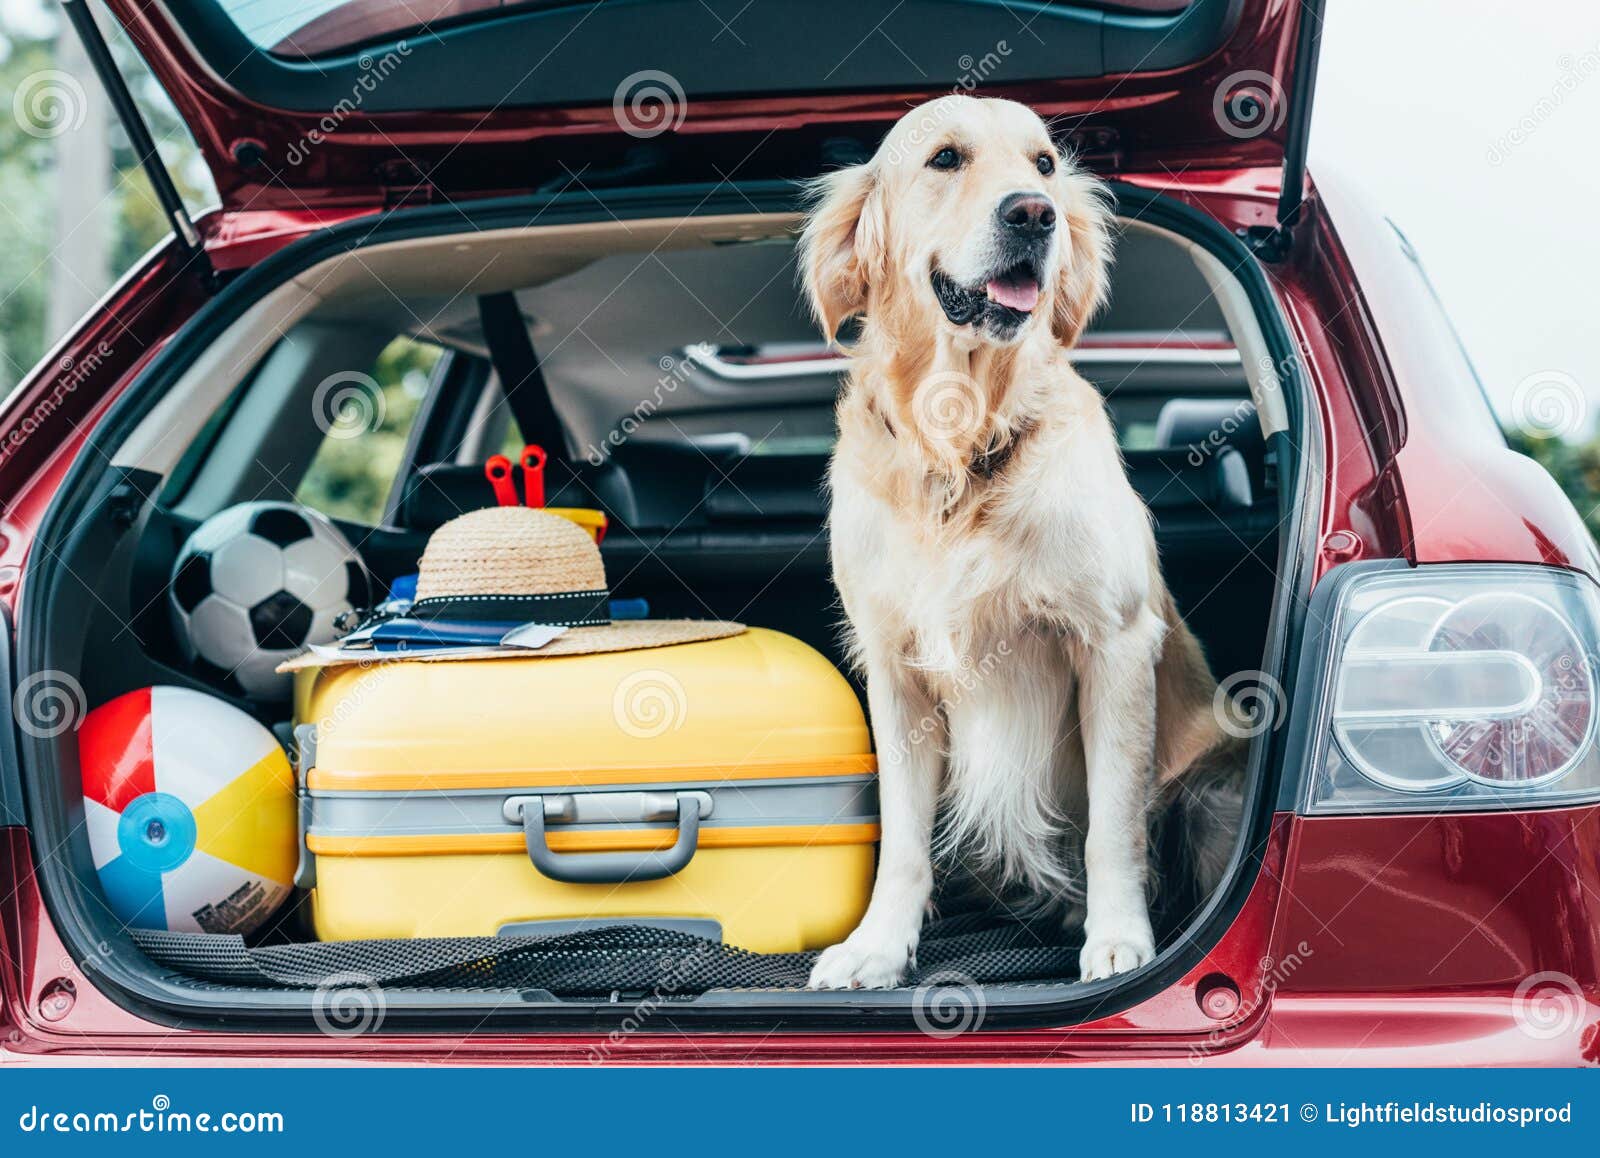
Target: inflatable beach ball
{"x": 191, "y": 811}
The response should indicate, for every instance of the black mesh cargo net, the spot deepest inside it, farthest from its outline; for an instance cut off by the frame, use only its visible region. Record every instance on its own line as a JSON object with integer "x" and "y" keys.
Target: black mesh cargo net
{"x": 978, "y": 948}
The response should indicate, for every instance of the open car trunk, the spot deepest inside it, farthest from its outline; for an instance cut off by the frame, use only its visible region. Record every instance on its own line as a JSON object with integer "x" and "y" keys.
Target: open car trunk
{"x": 696, "y": 406}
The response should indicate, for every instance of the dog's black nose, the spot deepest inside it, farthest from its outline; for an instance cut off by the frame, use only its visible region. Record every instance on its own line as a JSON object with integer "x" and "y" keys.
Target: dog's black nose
{"x": 1027, "y": 213}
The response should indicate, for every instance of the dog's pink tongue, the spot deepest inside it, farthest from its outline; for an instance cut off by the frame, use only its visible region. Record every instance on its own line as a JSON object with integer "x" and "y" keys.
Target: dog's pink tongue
{"x": 1022, "y": 294}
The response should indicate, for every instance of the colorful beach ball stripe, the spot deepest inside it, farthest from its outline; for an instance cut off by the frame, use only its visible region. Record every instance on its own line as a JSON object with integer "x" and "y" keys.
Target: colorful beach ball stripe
{"x": 190, "y": 807}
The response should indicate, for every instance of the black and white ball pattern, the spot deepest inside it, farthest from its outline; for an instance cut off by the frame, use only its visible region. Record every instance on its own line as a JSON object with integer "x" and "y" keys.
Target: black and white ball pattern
{"x": 254, "y": 585}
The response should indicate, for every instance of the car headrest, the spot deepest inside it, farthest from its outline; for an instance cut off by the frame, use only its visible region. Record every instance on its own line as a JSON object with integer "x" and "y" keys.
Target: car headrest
{"x": 777, "y": 487}
{"x": 659, "y": 486}
{"x": 1218, "y": 479}
{"x": 438, "y": 493}
{"x": 1199, "y": 422}
{"x": 760, "y": 487}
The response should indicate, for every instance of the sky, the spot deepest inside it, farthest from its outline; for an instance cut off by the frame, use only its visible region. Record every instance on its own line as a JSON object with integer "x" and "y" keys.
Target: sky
{"x": 1474, "y": 124}
{"x": 26, "y": 17}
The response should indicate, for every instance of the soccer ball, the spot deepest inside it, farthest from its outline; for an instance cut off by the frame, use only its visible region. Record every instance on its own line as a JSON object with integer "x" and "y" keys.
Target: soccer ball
{"x": 254, "y": 585}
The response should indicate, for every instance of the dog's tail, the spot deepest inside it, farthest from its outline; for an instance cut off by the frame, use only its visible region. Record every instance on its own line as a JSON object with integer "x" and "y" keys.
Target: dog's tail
{"x": 1198, "y": 816}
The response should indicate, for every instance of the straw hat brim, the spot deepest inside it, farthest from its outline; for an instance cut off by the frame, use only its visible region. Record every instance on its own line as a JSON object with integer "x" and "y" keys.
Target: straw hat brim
{"x": 627, "y": 635}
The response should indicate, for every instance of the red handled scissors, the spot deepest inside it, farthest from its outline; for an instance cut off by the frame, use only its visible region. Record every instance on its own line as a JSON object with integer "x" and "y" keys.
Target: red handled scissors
{"x": 498, "y": 471}
{"x": 533, "y": 460}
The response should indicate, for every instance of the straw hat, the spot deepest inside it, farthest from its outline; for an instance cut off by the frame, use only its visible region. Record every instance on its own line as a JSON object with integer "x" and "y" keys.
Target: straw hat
{"x": 523, "y": 565}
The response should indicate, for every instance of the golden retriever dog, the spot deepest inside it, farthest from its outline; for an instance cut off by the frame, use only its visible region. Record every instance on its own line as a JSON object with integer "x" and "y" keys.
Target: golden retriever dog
{"x": 1028, "y": 677}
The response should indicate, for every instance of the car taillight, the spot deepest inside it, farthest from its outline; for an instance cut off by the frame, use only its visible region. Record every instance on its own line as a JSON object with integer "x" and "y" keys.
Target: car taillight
{"x": 1469, "y": 686}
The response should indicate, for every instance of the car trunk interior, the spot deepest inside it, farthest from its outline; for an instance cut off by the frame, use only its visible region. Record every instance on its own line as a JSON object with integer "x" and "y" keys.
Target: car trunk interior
{"x": 696, "y": 401}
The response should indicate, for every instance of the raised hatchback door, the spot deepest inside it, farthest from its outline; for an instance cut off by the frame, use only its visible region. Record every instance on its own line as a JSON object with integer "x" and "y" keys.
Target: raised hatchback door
{"x": 299, "y": 103}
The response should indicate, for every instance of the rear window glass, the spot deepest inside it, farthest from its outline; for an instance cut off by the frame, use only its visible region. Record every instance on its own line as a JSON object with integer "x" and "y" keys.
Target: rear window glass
{"x": 307, "y": 28}
{"x": 364, "y": 445}
{"x": 266, "y": 22}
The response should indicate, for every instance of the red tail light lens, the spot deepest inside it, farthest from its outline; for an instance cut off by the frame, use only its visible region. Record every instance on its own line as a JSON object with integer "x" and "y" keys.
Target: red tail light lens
{"x": 1460, "y": 686}
{"x": 1541, "y": 743}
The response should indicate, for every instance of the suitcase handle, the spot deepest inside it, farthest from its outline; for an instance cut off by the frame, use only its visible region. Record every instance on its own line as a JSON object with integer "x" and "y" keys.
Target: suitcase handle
{"x": 593, "y": 868}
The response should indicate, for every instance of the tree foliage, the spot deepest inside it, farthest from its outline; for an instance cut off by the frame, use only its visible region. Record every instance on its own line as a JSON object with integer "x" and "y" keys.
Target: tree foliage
{"x": 29, "y": 221}
{"x": 1574, "y": 465}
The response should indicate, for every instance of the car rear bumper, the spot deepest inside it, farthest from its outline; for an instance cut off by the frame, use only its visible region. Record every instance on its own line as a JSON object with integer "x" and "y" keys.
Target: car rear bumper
{"x": 1278, "y": 1022}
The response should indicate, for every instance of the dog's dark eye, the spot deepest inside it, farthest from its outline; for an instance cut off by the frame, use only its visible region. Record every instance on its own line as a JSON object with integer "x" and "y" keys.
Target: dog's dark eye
{"x": 946, "y": 158}
{"x": 1046, "y": 164}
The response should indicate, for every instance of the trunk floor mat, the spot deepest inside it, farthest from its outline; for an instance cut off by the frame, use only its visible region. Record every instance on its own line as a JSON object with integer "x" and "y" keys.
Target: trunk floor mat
{"x": 978, "y": 948}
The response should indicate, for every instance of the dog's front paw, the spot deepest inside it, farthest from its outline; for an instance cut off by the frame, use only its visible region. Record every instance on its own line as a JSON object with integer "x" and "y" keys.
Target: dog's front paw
{"x": 861, "y": 963}
{"x": 1117, "y": 952}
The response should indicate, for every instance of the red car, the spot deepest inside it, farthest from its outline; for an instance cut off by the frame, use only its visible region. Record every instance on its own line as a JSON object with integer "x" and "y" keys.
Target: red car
{"x": 1405, "y": 607}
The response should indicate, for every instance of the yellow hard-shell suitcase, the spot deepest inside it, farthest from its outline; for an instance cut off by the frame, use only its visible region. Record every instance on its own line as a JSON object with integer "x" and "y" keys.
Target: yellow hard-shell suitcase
{"x": 723, "y": 787}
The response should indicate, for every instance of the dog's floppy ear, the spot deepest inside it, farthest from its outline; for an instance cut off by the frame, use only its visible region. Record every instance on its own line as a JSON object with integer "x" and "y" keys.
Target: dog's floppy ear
{"x": 841, "y": 246}
{"x": 1082, "y": 281}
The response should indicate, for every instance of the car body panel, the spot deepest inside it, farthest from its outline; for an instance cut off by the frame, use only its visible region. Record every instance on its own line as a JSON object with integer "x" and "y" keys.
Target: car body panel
{"x": 1286, "y": 1017}
{"x": 1440, "y": 421}
{"x": 1451, "y": 902}
{"x": 344, "y": 149}
{"x": 1171, "y": 1024}
{"x": 47, "y": 410}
